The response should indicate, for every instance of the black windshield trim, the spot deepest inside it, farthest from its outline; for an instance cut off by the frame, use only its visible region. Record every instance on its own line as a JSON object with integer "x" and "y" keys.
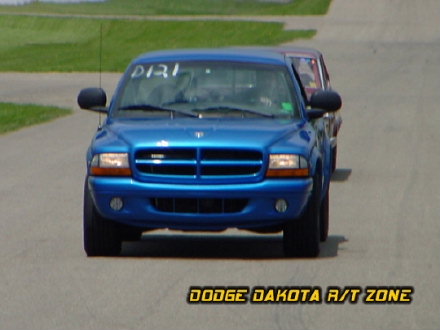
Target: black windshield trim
{"x": 150, "y": 107}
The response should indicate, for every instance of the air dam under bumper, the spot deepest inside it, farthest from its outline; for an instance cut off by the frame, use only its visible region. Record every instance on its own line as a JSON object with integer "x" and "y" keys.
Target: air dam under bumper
{"x": 140, "y": 209}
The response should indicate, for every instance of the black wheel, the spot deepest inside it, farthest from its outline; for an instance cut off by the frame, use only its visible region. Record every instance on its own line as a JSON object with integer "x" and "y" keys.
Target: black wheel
{"x": 334, "y": 154}
{"x": 102, "y": 237}
{"x": 301, "y": 236}
{"x": 324, "y": 217}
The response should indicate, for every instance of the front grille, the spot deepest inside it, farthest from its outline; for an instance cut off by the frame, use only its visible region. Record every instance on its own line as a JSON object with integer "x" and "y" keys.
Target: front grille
{"x": 198, "y": 163}
{"x": 199, "y": 205}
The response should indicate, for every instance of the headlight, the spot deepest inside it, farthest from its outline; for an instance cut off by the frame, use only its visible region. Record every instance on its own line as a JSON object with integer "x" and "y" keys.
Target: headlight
{"x": 110, "y": 164}
{"x": 287, "y": 165}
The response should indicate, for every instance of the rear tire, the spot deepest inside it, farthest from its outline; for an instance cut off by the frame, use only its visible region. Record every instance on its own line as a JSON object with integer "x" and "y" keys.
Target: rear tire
{"x": 301, "y": 236}
{"x": 102, "y": 237}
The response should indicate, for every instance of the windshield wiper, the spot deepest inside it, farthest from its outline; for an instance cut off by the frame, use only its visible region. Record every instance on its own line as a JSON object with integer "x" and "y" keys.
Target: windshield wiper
{"x": 150, "y": 107}
{"x": 227, "y": 108}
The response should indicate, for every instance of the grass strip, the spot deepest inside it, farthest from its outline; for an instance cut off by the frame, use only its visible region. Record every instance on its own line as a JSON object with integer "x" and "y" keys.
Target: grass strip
{"x": 178, "y": 7}
{"x": 42, "y": 44}
{"x": 15, "y": 116}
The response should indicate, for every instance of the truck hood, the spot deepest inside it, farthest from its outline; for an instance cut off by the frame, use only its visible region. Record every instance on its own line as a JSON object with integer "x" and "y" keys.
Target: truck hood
{"x": 254, "y": 133}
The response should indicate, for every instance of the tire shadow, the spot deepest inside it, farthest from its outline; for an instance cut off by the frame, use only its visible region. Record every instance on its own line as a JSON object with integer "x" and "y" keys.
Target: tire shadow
{"x": 341, "y": 174}
{"x": 220, "y": 246}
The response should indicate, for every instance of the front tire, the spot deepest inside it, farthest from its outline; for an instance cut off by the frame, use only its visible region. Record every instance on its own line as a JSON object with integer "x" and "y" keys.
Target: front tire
{"x": 301, "y": 237}
{"x": 334, "y": 155}
{"x": 102, "y": 237}
{"x": 324, "y": 217}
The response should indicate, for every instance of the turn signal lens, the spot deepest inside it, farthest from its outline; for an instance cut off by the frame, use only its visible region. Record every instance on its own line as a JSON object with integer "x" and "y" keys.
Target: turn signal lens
{"x": 294, "y": 172}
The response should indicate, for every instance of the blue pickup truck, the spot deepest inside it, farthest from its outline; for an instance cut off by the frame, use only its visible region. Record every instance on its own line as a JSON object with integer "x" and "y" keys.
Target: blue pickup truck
{"x": 206, "y": 140}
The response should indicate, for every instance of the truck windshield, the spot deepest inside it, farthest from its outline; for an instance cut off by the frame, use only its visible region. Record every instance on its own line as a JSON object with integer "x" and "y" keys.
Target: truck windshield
{"x": 207, "y": 90}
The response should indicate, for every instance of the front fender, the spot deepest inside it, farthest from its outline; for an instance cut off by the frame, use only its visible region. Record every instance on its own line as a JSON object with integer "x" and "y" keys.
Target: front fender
{"x": 320, "y": 157}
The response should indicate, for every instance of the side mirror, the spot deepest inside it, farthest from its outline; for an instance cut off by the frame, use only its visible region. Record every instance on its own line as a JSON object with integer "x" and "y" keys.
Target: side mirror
{"x": 325, "y": 100}
{"x": 93, "y": 99}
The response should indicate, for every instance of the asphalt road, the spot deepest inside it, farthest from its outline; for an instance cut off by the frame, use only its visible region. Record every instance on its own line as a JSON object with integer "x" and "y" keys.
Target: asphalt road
{"x": 384, "y": 58}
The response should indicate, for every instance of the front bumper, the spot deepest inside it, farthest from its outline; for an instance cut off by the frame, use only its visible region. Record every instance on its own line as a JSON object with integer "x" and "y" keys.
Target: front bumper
{"x": 139, "y": 208}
